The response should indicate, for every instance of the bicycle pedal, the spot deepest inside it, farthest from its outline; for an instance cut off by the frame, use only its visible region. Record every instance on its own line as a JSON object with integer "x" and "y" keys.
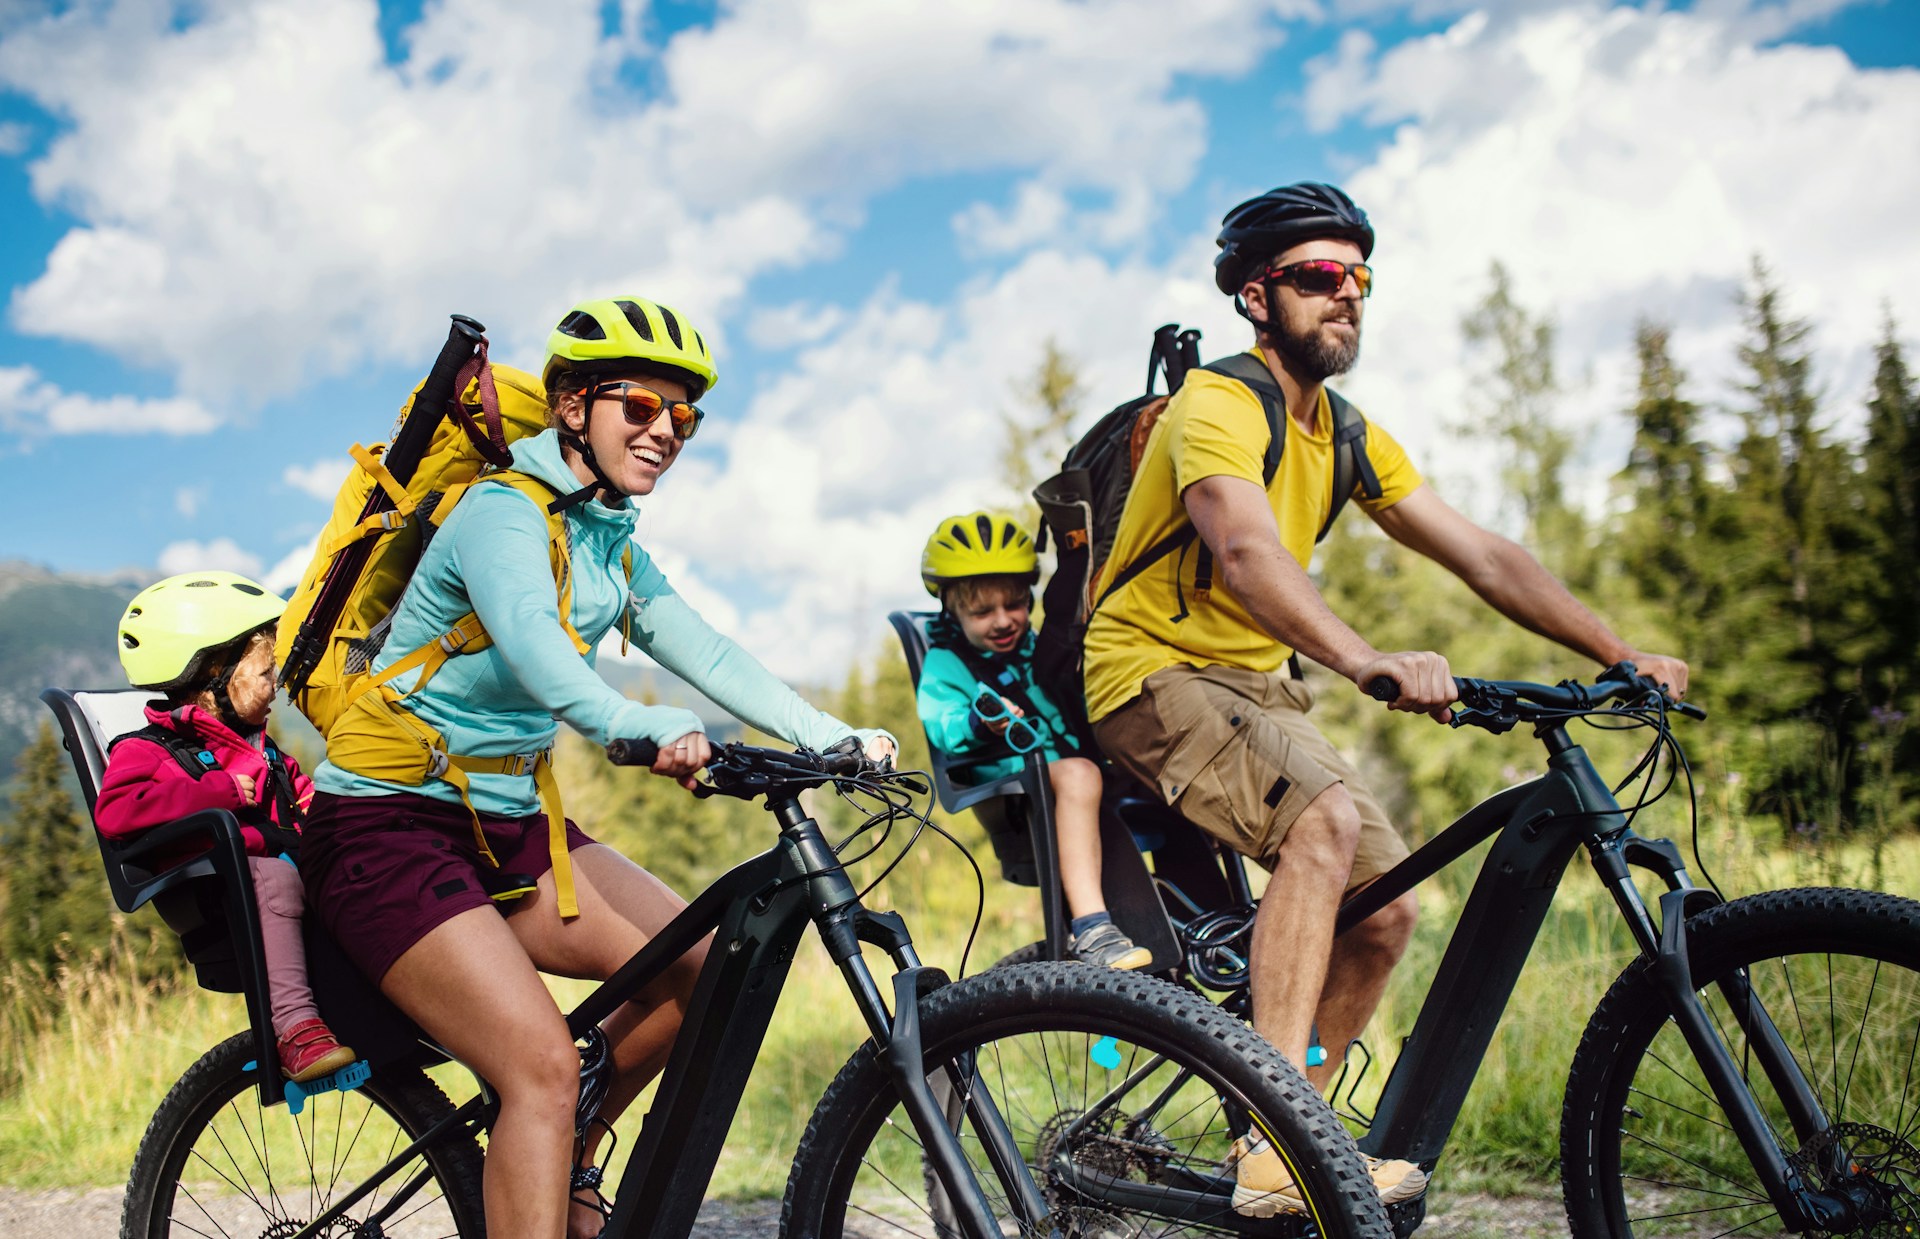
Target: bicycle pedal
{"x": 345, "y": 1080}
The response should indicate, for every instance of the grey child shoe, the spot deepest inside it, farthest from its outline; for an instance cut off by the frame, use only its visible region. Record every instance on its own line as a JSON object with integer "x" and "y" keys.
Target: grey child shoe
{"x": 1106, "y": 946}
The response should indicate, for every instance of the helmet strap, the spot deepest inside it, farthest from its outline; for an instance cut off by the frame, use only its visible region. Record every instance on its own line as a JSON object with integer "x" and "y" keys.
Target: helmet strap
{"x": 578, "y": 442}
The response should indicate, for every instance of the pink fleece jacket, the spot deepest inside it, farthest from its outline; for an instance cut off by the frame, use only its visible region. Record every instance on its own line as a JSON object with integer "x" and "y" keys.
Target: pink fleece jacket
{"x": 144, "y": 786}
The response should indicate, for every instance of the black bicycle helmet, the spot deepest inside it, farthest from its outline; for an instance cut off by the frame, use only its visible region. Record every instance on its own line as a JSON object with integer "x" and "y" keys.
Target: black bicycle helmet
{"x": 1253, "y": 232}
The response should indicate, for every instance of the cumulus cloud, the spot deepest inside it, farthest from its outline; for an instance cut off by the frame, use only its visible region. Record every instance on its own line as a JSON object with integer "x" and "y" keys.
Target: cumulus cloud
{"x": 1620, "y": 163}
{"x": 222, "y": 553}
{"x": 810, "y": 511}
{"x": 286, "y": 571}
{"x": 261, "y": 171}
{"x": 29, "y": 404}
{"x": 321, "y": 478}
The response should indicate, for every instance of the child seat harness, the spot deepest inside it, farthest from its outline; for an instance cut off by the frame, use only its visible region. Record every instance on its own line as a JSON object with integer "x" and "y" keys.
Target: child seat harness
{"x": 1003, "y": 678}
{"x": 281, "y": 829}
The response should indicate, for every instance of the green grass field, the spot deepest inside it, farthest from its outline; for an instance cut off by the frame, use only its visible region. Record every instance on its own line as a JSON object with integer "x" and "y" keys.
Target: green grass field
{"x": 86, "y": 1065}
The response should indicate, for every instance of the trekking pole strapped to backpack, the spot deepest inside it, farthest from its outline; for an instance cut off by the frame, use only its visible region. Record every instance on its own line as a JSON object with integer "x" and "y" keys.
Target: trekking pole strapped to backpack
{"x": 387, "y": 506}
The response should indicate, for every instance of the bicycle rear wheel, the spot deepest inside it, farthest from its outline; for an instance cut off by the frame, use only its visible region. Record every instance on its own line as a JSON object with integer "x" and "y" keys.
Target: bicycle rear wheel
{"x": 1123, "y": 1094}
{"x": 1645, "y": 1147}
{"x": 213, "y": 1162}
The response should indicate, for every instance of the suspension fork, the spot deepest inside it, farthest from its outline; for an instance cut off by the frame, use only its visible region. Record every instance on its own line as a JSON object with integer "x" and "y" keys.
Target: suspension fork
{"x": 1666, "y": 950}
{"x": 843, "y": 925}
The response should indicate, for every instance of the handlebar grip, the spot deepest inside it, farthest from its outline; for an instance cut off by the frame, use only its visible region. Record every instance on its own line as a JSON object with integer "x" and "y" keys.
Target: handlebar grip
{"x": 1383, "y": 688}
{"x": 632, "y": 752}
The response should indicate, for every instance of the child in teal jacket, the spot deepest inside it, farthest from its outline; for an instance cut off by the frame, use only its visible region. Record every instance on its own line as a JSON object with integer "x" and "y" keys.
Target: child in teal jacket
{"x": 978, "y": 702}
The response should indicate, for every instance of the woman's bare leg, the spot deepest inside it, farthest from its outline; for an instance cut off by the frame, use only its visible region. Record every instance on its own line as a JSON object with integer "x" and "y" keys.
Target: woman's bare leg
{"x": 470, "y": 985}
{"x": 622, "y": 907}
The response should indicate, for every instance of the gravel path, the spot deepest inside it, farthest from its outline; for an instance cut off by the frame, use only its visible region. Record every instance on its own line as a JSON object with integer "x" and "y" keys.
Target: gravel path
{"x": 65, "y": 1214}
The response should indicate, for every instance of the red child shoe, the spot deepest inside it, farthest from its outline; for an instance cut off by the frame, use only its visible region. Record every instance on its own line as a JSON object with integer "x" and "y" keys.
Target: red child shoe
{"x": 309, "y": 1050}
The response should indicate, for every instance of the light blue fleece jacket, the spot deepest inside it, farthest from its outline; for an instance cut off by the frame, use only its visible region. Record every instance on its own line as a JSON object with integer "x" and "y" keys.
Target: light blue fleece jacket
{"x": 491, "y": 558}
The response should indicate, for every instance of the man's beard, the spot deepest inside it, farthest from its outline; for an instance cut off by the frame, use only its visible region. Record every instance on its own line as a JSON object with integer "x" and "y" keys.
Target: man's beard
{"x": 1311, "y": 353}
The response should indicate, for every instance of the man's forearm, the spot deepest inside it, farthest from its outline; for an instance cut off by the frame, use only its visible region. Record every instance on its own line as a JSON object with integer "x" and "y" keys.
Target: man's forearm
{"x": 1515, "y": 584}
{"x": 1282, "y": 600}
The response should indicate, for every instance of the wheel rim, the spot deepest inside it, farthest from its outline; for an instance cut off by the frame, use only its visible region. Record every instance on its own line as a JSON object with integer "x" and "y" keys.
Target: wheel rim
{"x": 244, "y": 1170}
{"x": 1852, "y": 1024}
{"x": 1156, "y": 1161}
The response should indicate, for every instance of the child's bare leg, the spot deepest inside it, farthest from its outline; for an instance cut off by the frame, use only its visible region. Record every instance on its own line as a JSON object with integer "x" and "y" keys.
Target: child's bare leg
{"x": 1076, "y": 821}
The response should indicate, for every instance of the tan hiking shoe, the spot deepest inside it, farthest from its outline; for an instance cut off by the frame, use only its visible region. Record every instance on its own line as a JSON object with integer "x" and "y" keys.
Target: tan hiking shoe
{"x": 1265, "y": 1187}
{"x": 1396, "y": 1180}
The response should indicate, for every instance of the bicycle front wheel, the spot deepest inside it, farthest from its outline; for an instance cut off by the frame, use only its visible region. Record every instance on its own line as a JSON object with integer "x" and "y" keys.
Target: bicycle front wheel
{"x": 1646, "y": 1148}
{"x": 213, "y": 1162}
{"x": 1123, "y": 1095}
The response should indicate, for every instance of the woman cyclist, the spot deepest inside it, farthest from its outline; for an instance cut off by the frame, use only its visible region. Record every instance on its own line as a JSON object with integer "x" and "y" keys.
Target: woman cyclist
{"x": 398, "y": 870}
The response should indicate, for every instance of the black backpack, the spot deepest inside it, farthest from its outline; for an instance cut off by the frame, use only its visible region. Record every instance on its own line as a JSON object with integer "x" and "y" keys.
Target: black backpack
{"x": 1080, "y": 506}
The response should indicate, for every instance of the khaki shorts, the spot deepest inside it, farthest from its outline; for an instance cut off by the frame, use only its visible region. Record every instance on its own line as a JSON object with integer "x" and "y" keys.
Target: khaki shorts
{"x": 1233, "y": 752}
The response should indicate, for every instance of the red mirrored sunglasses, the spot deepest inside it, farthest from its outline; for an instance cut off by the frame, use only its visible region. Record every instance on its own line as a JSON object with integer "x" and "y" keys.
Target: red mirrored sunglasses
{"x": 1323, "y": 277}
{"x": 642, "y": 406}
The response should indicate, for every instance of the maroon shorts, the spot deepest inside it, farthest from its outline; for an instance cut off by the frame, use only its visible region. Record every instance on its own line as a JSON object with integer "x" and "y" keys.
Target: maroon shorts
{"x": 383, "y": 871}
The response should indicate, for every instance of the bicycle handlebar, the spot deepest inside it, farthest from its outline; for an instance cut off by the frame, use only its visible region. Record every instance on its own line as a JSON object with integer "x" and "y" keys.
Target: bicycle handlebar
{"x": 747, "y": 770}
{"x": 1499, "y": 704}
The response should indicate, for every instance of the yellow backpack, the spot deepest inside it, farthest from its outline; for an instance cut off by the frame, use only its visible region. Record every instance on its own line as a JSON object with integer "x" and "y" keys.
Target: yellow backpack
{"x": 368, "y": 728}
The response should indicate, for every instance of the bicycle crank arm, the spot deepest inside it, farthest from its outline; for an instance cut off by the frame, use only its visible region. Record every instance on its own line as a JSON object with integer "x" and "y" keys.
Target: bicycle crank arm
{"x": 1799, "y": 1207}
{"x": 906, "y": 1063}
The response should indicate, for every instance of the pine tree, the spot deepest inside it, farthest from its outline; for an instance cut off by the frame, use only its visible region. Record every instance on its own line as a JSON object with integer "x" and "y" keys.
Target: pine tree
{"x": 1513, "y": 408}
{"x": 1890, "y": 482}
{"x": 57, "y": 904}
{"x": 1036, "y": 442}
{"x": 1790, "y": 607}
{"x": 1674, "y": 513}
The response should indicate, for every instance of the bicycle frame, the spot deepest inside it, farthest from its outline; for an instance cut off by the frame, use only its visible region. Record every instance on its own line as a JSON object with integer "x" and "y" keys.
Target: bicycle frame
{"x": 757, "y": 913}
{"x": 1540, "y": 824}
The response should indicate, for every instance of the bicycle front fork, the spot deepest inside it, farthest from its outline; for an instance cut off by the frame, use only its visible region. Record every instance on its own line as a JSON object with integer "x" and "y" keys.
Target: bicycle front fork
{"x": 933, "y": 1121}
{"x": 1799, "y": 1206}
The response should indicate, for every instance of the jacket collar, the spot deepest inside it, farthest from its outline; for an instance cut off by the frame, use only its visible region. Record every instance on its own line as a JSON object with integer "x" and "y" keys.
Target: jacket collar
{"x": 539, "y": 456}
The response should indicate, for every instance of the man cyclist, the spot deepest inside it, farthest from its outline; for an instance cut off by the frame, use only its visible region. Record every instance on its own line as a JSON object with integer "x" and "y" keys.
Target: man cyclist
{"x": 1184, "y": 663}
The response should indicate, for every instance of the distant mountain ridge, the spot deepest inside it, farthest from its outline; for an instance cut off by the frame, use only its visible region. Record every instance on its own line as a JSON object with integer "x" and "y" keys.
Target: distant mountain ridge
{"x": 56, "y": 630}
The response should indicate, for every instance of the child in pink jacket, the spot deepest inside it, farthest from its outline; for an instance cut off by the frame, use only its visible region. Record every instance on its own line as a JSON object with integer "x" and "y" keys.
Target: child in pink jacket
{"x": 205, "y": 640}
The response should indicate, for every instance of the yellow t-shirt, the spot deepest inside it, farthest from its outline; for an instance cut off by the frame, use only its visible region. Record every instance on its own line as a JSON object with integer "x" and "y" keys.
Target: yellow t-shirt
{"x": 1213, "y": 426}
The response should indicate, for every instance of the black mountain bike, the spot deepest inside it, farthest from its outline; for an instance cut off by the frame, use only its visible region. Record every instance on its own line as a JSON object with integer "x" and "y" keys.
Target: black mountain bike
{"x": 1755, "y": 1071}
{"x": 1047, "y": 1099}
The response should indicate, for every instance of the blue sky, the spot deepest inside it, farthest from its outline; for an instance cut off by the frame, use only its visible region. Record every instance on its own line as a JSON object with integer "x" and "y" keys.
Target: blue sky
{"x": 230, "y": 233}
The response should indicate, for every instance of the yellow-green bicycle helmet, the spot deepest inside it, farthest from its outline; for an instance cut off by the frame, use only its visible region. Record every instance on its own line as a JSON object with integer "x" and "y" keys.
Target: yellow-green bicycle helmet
{"x": 172, "y": 630}
{"x": 610, "y": 334}
{"x": 977, "y": 544}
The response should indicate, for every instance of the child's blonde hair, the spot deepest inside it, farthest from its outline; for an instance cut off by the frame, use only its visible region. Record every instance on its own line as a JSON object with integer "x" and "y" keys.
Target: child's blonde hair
{"x": 971, "y": 591}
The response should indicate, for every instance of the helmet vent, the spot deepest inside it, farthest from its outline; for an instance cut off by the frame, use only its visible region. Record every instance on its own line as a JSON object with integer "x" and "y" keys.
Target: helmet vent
{"x": 202, "y": 584}
{"x": 673, "y": 326}
{"x": 960, "y": 535}
{"x": 701, "y": 345}
{"x": 582, "y": 326}
{"x": 249, "y": 589}
{"x": 638, "y": 317}
{"x": 129, "y": 640}
{"x": 985, "y": 526}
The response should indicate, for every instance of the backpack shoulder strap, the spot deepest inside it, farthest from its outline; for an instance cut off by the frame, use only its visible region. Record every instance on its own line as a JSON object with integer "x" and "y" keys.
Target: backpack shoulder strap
{"x": 559, "y": 549}
{"x": 187, "y": 751}
{"x": 1351, "y": 465}
{"x": 1249, "y": 370}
